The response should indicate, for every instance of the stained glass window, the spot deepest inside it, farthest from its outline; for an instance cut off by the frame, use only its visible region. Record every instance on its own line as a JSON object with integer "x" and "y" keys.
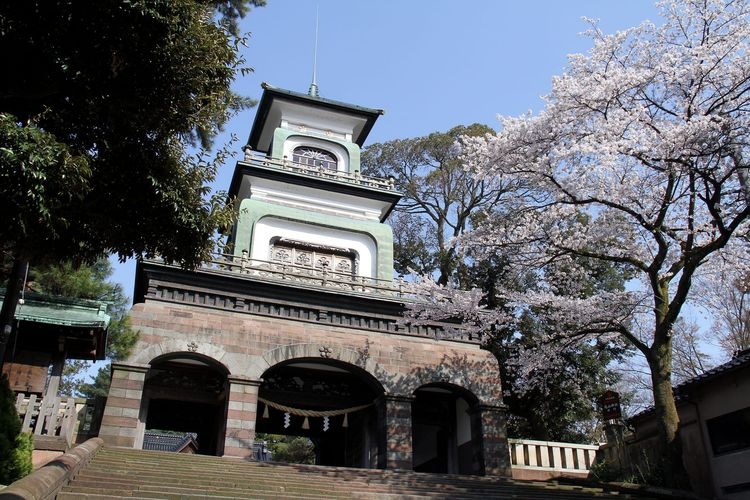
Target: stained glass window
{"x": 315, "y": 157}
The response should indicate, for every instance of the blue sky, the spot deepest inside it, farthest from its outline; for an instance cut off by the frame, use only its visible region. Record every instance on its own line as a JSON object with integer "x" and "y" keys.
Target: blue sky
{"x": 430, "y": 64}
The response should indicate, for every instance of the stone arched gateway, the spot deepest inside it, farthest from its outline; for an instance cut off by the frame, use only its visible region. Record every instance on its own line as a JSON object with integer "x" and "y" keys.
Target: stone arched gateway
{"x": 326, "y": 297}
{"x": 186, "y": 392}
{"x": 334, "y": 404}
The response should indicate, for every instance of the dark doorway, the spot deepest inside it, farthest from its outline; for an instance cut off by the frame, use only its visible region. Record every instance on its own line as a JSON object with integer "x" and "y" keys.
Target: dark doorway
{"x": 445, "y": 434}
{"x": 303, "y": 386}
{"x": 188, "y": 395}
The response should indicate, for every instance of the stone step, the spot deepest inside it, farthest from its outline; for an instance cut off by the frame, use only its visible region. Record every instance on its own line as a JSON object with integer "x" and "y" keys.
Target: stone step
{"x": 75, "y": 495}
{"x": 128, "y": 473}
{"x": 221, "y": 476}
{"x": 255, "y": 469}
{"x": 134, "y": 479}
{"x": 168, "y": 482}
{"x": 173, "y": 493}
{"x": 204, "y": 477}
{"x": 168, "y": 485}
{"x": 335, "y": 490}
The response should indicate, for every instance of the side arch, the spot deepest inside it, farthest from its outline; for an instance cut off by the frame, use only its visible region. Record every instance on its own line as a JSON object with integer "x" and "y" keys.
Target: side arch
{"x": 446, "y": 430}
{"x": 185, "y": 397}
{"x": 477, "y": 375}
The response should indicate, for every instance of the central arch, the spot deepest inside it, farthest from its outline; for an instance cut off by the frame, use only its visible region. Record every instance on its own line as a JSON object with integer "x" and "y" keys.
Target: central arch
{"x": 297, "y": 395}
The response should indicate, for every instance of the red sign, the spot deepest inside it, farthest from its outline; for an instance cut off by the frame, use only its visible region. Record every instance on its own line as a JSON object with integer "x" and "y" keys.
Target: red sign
{"x": 610, "y": 405}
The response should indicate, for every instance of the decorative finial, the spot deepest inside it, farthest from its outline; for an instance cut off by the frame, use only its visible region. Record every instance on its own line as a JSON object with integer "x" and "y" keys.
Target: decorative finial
{"x": 314, "y": 85}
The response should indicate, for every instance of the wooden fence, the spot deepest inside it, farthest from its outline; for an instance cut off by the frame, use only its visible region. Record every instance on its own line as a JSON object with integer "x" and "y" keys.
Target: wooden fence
{"x": 53, "y": 417}
{"x": 553, "y": 457}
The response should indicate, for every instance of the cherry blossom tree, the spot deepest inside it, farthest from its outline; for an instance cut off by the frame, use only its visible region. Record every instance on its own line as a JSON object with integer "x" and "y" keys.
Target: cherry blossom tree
{"x": 639, "y": 158}
{"x": 726, "y": 294}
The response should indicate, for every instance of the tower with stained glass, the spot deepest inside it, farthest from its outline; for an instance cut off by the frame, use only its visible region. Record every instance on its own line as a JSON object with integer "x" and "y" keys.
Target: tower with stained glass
{"x": 297, "y": 328}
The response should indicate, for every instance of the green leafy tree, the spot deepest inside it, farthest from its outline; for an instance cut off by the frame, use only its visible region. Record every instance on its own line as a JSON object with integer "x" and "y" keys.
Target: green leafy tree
{"x": 440, "y": 197}
{"x": 561, "y": 404}
{"x": 15, "y": 446}
{"x": 289, "y": 449}
{"x": 93, "y": 133}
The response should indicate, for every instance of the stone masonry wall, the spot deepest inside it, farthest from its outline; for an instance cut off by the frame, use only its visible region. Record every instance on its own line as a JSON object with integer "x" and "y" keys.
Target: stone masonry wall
{"x": 248, "y": 345}
{"x": 120, "y": 423}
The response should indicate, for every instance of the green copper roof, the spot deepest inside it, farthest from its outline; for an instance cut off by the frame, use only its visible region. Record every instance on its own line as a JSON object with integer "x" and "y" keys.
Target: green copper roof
{"x": 77, "y": 313}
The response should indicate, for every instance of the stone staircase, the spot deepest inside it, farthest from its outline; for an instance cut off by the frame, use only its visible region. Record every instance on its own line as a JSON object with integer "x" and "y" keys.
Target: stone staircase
{"x": 128, "y": 473}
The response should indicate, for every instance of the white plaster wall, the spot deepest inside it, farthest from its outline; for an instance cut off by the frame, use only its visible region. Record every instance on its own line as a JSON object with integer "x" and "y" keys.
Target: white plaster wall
{"x": 307, "y": 198}
{"x": 463, "y": 422}
{"x": 270, "y": 227}
{"x": 731, "y": 394}
{"x": 308, "y": 119}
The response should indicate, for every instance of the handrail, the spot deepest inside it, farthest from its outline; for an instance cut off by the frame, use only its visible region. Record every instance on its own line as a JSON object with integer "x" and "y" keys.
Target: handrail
{"x": 300, "y": 168}
{"x": 286, "y": 271}
{"x": 47, "y": 481}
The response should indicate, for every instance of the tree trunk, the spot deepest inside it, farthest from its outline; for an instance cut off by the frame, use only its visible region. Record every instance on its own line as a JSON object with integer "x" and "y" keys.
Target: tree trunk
{"x": 671, "y": 467}
{"x": 10, "y": 302}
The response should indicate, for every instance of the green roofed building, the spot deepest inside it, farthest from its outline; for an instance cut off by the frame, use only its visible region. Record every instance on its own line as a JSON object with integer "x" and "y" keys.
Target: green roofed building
{"x": 47, "y": 331}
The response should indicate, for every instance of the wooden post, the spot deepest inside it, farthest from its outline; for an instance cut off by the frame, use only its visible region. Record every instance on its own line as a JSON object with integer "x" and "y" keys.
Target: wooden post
{"x": 58, "y": 361}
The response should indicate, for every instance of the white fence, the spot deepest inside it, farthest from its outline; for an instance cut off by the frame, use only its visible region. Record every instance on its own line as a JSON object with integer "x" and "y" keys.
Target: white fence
{"x": 554, "y": 457}
{"x": 54, "y": 417}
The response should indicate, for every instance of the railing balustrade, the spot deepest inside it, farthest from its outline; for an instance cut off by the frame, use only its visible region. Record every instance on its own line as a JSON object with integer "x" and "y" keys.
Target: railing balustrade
{"x": 286, "y": 271}
{"x": 47, "y": 416}
{"x": 300, "y": 168}
{"x": 551, "y": 456}
{"x": 322, "y": 278}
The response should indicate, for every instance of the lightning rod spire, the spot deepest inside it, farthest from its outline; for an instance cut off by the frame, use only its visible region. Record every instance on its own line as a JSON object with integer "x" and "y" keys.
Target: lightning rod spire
{"x": 314, "y": 85}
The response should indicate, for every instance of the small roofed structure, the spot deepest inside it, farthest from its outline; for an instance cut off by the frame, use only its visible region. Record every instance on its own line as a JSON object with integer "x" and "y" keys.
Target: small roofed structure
{"x": 48, "y": 331}
{"x": 186, "y": 442}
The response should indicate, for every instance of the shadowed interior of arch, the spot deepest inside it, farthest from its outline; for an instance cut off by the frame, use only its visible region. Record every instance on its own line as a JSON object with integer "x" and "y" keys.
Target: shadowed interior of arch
{"x": 186, "y": 394}
{"x": 334, "y": 404}
{"x": 446, "y": 431}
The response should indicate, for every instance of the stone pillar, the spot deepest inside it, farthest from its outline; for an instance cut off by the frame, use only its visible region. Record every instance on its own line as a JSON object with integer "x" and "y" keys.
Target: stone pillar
{"x": 396, "y": 413}
{"x": 495, "y": 440}
{"x": 121, "y": 425}
{"x": 241, "y": 416}
{"x": 477, "y": 451}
